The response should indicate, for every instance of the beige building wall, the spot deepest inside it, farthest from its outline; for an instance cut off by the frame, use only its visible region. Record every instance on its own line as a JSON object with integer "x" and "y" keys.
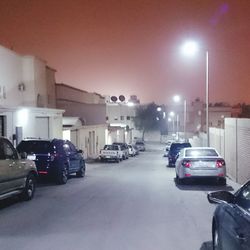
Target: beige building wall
{"x": 89, "y": 107}
{"x": 66, "y": 92}
{"x": 24, "y": 80}
{"x": 91, "y": 139}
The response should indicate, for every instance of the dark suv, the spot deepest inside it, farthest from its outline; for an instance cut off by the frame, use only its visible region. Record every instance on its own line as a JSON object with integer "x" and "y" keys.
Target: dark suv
{"x": 56, "y": 158}
{"x": 174, "y": 151}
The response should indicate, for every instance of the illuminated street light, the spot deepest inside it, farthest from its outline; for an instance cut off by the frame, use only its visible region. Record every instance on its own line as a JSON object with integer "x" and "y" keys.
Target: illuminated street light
{"x": 171, "y": 114}
{"x": 158, "y": 109}
{"x": 190, "y": 48}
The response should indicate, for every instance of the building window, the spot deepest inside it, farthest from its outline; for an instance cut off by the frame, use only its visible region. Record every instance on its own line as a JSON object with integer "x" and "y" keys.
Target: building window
{"x": 128, "y": 118}
{"x": 107, "y": 118}
{"x": 122, "y": 117}
{"x": 116, "y": 119}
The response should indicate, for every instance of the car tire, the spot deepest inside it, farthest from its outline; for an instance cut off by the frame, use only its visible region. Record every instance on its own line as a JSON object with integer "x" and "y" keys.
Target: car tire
{"x": 178, "y": 180}
{"x": 30, "y": 187}
{"x": 216, "y": 243}
{"x": 81, "y": 172}
{"x": 62, "y": 176}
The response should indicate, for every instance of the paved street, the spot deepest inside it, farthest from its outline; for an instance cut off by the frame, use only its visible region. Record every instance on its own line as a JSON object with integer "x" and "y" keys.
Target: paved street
{"x": 132, "y": 205}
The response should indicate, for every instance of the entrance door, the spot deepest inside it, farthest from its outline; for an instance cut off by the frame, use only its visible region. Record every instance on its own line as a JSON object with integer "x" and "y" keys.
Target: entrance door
{"x": 42, "y": 127}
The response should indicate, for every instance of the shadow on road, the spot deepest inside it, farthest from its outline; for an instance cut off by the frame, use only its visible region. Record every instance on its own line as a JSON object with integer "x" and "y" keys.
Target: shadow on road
{"x": 202, "y": 184}
{"x": 207, "y": 245}
{"x": 9, "y": 202}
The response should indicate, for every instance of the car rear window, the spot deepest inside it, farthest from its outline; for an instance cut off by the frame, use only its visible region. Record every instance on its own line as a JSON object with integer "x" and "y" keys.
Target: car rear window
{"x": 178, "y": 146}
{"x": 139, "y": 143}
{"x": 35, "y": 147}
{"x": 200, "y": 152}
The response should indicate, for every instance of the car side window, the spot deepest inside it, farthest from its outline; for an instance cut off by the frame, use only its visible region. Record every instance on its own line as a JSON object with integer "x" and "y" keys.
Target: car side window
{"x": 7, "y": 151}
{"x": 72, "y": 147}
{"x": 243, "y": 198}
{"x": 66, "y": 148}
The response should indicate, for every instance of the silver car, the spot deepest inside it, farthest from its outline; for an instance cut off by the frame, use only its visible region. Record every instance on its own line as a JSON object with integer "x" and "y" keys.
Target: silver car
{"x": 199, "y": 162}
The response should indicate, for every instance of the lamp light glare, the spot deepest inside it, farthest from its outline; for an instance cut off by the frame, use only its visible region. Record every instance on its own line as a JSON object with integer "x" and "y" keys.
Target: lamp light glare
{"x": 176, "y": 98}
{"x": 190, "y": 48}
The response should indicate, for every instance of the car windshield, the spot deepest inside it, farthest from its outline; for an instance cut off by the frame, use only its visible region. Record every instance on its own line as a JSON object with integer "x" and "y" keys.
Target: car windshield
{"x": 200, "y": 152}
{"x": 111, "y": 147}
{"x": 34, "y": 147}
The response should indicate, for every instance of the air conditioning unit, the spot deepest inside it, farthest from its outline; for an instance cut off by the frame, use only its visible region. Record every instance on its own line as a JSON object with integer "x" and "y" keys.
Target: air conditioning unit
{"x": 21, "y": 87}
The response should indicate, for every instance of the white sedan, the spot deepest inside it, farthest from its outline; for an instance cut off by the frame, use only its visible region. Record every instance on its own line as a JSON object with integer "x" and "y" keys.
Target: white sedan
{"x": 200, "y": 162}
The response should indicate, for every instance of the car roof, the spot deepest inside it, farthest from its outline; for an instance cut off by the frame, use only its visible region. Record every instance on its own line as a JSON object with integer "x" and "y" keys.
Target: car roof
{"x": 200, "y": 148}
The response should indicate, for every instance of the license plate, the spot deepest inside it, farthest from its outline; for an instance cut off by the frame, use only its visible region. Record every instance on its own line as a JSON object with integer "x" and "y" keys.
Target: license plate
{"x": 31, "y": 157}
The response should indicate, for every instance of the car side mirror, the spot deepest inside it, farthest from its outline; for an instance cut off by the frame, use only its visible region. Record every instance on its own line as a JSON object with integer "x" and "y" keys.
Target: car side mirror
{"x": 220, "y": 197}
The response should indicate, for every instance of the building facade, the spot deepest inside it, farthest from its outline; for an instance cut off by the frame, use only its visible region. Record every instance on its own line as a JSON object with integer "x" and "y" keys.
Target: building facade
{"x": 27, "y": 98}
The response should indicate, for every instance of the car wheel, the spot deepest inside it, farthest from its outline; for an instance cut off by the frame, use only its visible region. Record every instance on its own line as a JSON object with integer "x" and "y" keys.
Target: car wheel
{"x": 216, "y": 238}
{"x": 30, "y": 187}
{"x": 81, "y": 172}
{"x": 178, "y": 180}
{"x": 63, "y": 176}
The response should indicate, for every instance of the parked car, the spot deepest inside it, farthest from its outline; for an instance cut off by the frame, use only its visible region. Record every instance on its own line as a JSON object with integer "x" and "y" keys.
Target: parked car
{"x": 17, "y": 176}
{"x": 200, "y": 162}
{"x": 231, "y": 219}
{"x": 124, "y": 148}
{"x": 131, "y": 150}
{"x": 174, "y": 151}
{"x": 140, "y": 145}
{"x": 136, "y": 149}
{"x": 167, "y": 148}
{"x": 55, "y": 158}
{"x": 111, "y": 153}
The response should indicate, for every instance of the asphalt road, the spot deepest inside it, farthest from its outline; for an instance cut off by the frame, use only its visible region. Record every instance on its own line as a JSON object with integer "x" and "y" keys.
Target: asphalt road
{"x": 132, "y": 205}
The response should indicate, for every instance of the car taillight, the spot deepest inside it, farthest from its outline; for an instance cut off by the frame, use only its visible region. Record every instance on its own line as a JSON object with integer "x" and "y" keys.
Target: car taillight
{"x": 187, "y": 164}
{"x": 220, "y": 163}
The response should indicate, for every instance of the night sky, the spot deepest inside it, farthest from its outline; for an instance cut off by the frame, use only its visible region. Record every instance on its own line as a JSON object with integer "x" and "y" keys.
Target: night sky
{"x": 133, "y": 47}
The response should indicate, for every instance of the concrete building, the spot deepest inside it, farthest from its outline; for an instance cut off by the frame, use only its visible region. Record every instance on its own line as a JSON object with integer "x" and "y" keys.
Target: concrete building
{"x": 84, "y": 120}
{"x": 120, "y": 118}
{"x": 196, "y": 116}
{"x": 27, "y": 98}
{"x": 89, "y": 107}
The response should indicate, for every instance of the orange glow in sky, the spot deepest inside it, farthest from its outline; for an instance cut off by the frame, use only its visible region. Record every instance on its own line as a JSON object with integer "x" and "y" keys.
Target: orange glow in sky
{"x": 133, "y": 47}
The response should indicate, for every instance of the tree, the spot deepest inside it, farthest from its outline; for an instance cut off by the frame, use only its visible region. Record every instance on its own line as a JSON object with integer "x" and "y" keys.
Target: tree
{"x": 245, "y": 110}
{"x": 148, "y": 118}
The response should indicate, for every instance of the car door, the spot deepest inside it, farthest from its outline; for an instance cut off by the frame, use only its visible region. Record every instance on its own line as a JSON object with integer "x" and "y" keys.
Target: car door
{"x": 74, "y": 157}
{"x": 12, "y": 169}
{"x": 4, "y": 171}
{"x": 235, "y": 226}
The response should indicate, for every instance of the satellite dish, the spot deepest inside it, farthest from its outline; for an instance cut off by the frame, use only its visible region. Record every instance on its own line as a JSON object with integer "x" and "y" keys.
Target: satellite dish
{"x": 122, "y": 98}
{"x": 113, "y": 98}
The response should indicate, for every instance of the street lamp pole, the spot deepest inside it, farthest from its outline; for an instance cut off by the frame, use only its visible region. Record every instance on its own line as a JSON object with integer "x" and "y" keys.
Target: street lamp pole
{"x": 177, "y": 126}
{"x": 185, "y": 118}
{"x": 207, "y": 100}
